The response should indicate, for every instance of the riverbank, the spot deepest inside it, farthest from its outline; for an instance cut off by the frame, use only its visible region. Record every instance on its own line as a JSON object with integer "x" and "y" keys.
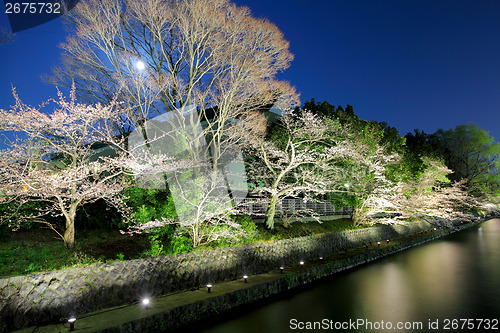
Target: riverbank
{"x": 37, "y": 250}
{"x": 175, "y": 310}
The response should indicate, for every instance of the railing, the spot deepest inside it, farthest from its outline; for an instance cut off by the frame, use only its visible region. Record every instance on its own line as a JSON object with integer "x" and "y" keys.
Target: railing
{"x": 290, "y": 207}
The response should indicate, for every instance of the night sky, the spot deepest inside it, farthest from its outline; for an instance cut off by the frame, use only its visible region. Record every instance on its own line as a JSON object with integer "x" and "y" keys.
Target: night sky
{"x": 414, "y": 64}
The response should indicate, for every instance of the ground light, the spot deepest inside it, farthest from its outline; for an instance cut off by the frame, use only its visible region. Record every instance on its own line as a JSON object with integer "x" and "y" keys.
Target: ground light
{"x": 71, "y": 322}
{"x": 301, "y": 264}
{"x": 245, "y": 277}
{"x": 378, "y": 243}
{"x": 387, "y": 241}
{"x": 209, "y": 287}
{"x": 281, "y": 270}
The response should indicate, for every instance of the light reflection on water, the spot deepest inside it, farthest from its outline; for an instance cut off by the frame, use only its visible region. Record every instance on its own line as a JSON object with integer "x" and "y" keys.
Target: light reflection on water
{"x": 455, "y": 277}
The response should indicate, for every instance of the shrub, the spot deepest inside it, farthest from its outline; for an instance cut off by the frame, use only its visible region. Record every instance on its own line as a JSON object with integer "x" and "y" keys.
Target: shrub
{"x": 248, "y": 234}
{"x": 152, "y": 204}
{"x": 149, "y": 204}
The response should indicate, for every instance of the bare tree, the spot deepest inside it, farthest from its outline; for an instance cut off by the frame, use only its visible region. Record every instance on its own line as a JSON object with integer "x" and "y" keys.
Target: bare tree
{"x": 6, "y": 36}
{"x": 164, "y": 55}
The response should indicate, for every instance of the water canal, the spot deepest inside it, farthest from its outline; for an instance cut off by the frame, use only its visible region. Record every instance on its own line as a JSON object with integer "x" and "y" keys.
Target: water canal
{"x": 448, "y": 285}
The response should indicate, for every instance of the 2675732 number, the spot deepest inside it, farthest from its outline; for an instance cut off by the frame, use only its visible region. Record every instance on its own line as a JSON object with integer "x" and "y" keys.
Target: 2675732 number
{"x": 470, "y": 324}
{"x": 32, "y": 8}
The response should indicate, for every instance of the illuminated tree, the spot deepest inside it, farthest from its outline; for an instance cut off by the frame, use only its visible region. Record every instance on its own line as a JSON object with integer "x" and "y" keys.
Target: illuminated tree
{"x": 56, "y": 160}
{"x": 430, "y": 198}
{"x": 200, "y": 191}
{"x": 367, "y": 179}
{"x": 163, "y": 56}
{"x": 306, "y": 156}
{"x": 473, "y": 155}
{"x": 468, "y": 150}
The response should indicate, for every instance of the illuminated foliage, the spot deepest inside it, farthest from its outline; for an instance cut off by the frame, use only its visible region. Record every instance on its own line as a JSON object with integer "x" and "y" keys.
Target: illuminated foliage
{"x": 306, "y": 156}
{"x": 56, "y": 159}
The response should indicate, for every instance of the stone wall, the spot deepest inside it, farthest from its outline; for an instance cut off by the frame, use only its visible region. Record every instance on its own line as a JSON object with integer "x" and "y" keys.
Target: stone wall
{"x": 38, "y": 299}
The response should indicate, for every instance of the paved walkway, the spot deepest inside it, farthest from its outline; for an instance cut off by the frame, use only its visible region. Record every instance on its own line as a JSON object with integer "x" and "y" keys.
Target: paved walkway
{"x": 122, "y": 318}
{"x": 117, "y": 316}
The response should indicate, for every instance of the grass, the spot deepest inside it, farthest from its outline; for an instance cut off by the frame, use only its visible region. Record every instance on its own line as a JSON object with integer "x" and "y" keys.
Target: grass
{"x": 31, "y": 251}
{"x": 300, "y": 229}
{"x": 37, "y": 250}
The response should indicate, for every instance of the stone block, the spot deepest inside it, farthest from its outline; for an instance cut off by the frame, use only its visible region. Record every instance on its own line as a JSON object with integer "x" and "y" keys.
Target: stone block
{"x": 8, "y": 292}
{"x": 34, "y": 297}
{"x": 25, "y": 289}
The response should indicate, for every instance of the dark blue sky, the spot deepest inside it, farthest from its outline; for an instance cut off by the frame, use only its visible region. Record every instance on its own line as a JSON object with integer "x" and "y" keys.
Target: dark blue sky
{"x": 414, "y": 64}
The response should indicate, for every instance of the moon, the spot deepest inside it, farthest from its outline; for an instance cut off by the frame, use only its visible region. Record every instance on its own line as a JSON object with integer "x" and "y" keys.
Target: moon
{"x": 140, "y": 65}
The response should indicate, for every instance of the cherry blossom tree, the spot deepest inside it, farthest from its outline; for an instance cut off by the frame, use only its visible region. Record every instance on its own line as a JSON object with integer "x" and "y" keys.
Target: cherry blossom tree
{"x": 213, "y": 220}
{"x": 56, "y": 159}
{"x": 366, "y": 178}
{"x": 430, "y": 198}
{"x": 200, "y": 191}
{"x": 306, "y": 158}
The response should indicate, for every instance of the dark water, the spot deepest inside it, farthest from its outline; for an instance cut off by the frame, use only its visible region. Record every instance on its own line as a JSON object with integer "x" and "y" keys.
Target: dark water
{"x": 446, "y": 282}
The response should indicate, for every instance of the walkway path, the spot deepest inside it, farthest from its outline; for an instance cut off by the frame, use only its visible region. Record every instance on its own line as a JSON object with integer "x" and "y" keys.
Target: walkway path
{"x": 169, "y": 311}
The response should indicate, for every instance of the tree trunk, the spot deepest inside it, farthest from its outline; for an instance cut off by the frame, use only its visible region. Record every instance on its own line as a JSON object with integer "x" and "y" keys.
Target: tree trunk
{"x": 356, "y": 216}
{"x": 69, "y": 234}
{"x": 359, "y": 213}
{"x": 271, "y": 211}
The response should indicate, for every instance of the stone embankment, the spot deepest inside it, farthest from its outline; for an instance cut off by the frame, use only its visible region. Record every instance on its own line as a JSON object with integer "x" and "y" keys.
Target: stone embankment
{"x": 90, "y": 293}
